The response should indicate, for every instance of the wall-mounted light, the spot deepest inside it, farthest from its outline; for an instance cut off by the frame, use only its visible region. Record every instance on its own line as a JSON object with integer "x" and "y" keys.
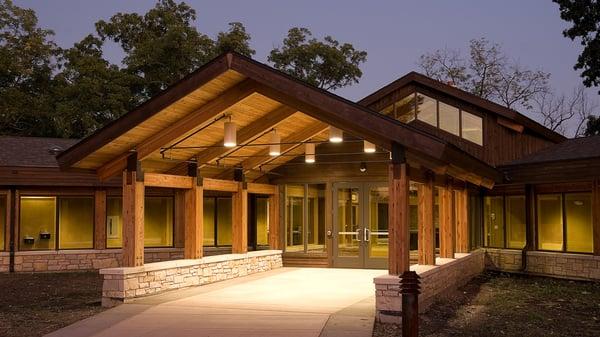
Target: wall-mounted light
{"x": 309, "y": 153}
{"x": 275, "y": 147}
{"x": 335, "y": 135}
{"x": 368, "y": 147}
{"x": 230, "y": 137}
{"x": 363, "y": 167}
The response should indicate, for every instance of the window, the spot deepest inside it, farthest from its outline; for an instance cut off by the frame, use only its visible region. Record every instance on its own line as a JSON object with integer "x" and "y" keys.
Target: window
{"x": 294, "y": 217}
{"x": 262, "y": 221}
{"x": 305, "y": 218}
{"x": 208, "y": 231}
{"x": 515, "y": 221}
{"x": 427, "y": 109}
{"x": 449, "y": 118}
{"x": 158, "y": 222}
{"x": 475, "y": 216}
{"x": 472, "y": 127}
{"x": 578, "y": 209}
{"x": 550, "y": 222}
{"x": 493, "y": 221}
{"x": 217, "y": 221}
{"x": 3, "y": 227}
{"x": 413, "y": 214}
{"x": 37, "y": 226}
{"x": 76, "y": 223}
{"x": 402, "y": 110}
{"x": 315, "y": 227}
{"x": 114, "y": 222}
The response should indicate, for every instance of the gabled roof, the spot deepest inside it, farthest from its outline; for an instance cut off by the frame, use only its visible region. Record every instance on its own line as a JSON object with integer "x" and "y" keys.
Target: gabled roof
{"x": 276, "y": 86}
{"x": 32, "y": 151}
{"x": 571, "y": 149}
{"x": 497, "y": 109}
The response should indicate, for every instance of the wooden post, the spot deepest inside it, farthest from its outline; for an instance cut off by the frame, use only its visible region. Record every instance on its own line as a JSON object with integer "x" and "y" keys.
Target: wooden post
{"x": 399, "y": 243}
{"x": 133, "y": 213}
{"x": 462, "y": 221}
{"x": 329, "y": 222}
{"x": 529, "y": 224}
{"x": 446, "y": 221}
{"x": 596, "y": 215}
{"x": 239, "y": 226}
{"x": 426, "y": 231}
{"x": 274, "y": 225}
{"x": 194, "y": 220}
{"x": 100, "y": 219}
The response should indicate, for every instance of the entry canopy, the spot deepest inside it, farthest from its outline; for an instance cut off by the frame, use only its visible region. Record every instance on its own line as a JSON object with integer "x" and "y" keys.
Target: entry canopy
{"x": 185, "y": 123}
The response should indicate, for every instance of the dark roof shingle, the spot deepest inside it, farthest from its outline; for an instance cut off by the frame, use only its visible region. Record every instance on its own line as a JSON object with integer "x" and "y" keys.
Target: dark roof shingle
{"x": 32, "y": 151}
{"x": 571, "y": 149}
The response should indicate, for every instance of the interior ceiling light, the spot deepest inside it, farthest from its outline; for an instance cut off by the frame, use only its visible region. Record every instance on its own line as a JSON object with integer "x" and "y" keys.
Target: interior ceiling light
{"x": 335, "y": 135}
{"x": 368, "y": 147}
{"x": 230, "y": 138}
{"x": 275, "y": 146}
{"x": 309, "y": 153}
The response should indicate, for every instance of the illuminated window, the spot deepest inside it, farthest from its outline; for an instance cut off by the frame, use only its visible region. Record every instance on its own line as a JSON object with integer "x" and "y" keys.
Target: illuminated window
{"x": 475, "y": 216}
{"x": 262, "y": 221}
{"x": 493, "y": 221}
{"x": 76, "y": 223}
{"x": 427, "y": 109}
{"x": 37, "y": 225}
{"x": 315, "y": 228}
{"x": 578, "y": 209}
{"x": 158, "y": 222}
{"x": 114, "y": 222}
{"x": 515, "y": 222}
{"x": 224, "y": 220}
{"x": 449, "y": 118}
{"x": 3, "y": 211}
{"x": 294, "y": 217}
{"x": 208, "y": 231}
{"x": 413, "y": 214}
{"x": 402, "y": 110}
{"x": 550, "y": 222}
{"x": 472, "y": 127}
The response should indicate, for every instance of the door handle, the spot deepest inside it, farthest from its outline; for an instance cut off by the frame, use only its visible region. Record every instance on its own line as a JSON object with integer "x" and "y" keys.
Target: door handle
{"x": 367, "y": 236}
{"x": 358, "y": 235}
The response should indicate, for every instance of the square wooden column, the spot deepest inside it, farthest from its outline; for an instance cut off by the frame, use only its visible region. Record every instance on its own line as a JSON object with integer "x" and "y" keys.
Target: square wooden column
{"x": 447, "y": 230}
{"x": 133, "y": 214}
{"x": 596, "y": 215}
{"x": 462, "y": 220}
{"x": 426, "y": 231}
{"x": 194, "y": 220}
{"x": 239, "y": 226}
{"x": 274, "y": 230}
{"x": 398, "y": 225}
{"x": 100, "y": 219}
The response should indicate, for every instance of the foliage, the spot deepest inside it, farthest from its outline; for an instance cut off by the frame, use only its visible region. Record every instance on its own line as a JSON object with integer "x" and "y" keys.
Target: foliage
{"x": 585, "y": 18}
{"x": 487, "y": 73}
{"x": 326, "y": 64}
{"x": 592, "y": 126}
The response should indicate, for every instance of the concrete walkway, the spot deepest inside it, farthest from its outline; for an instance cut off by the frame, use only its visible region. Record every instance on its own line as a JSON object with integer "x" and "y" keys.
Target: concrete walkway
{"x": 284, "y": 302}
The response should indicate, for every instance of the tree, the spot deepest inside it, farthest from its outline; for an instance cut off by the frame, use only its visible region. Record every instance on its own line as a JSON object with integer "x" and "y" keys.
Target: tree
{"x": 326, "y": 64}
{"x": 163, "y": 46}
{"x": 592, "y": 126}
{"x": 562, "y": 112}
{"x": 585, "y": 18}
{"x": 27, "y": 61}
{"x": 487, "y": 73}
{"x": 89, "y": 91}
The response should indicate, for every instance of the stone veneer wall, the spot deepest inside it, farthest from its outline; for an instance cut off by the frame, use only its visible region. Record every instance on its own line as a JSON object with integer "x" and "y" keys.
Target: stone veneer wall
{"x": 446, "y": 275}
{"x": 567, "y": 265}
{"x": 87, "y": 259}
{"x": 126, "y": 283}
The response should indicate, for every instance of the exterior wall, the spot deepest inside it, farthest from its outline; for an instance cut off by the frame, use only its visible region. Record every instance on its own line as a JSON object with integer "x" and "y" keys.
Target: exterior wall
{"x": 446, "y": 275}
{"x": 565, "y": 265}
{"x": 4, "y": 262}
{"x": 124, "y": 284}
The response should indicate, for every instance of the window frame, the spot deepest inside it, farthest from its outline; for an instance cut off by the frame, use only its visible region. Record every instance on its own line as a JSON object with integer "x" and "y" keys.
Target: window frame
{"x": 305, "y": 214}
{"x": 504, "y": 217}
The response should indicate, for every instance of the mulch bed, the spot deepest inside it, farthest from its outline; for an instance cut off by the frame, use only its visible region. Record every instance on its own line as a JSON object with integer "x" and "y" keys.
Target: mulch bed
{"x": 497, "y": 304}
{"x": 35, "y": 304}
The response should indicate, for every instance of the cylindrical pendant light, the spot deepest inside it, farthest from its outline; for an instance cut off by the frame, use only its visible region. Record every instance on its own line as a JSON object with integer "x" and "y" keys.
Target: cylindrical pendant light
{"x": 309, "y": 153}
{"x": 230, "y": 138}
{"x": 275, "y": 146}
{"x": 335, "y": 135}
{"x": 368, "y": 147}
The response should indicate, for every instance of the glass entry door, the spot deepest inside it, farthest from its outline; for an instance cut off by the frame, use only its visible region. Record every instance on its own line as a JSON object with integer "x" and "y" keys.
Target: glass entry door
{"x": 360, "y": 225}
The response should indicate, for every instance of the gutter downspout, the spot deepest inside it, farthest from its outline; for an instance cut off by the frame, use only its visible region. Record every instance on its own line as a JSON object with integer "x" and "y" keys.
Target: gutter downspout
{"x": 529, "y": 224}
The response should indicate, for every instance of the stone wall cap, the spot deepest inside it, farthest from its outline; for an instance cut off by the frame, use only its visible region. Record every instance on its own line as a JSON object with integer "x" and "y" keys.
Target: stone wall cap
{"x": 424, "y": 270}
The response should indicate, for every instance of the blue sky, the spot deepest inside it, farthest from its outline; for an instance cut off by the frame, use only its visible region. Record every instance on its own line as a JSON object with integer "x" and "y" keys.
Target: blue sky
{"x": 394, "y": 33}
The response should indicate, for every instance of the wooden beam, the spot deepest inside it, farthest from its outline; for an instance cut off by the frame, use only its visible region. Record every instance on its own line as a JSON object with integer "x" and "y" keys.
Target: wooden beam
{"x": 274, "y": 223}
{"x": 194, "y": 221}
{"x": 462, "y": 225}
{"x": 167, "y": 181}
{"x": 239, "y": 226}
{"x": 511, "y": 125}
{"x": 220, "y": 185}
{"x": 426, "y": 230}
{"x": 257, "y": 188}
{"x": 447, "y": 230}
{"x": 133, "y": 219}
{"x": 399, "y": 259}
{"x": 596, "y": 214}
{"x": 180, "y": 128}
{"x": 100, "y": 219}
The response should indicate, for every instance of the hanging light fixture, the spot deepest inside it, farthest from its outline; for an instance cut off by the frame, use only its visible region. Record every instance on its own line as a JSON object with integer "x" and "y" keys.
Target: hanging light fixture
{"x": 368, "y": 147}
{"x": 229, "y": 139}
{"x": 335, "y": 135}
{"x": 275, "y": 146}
{"x": 309, "y": 153}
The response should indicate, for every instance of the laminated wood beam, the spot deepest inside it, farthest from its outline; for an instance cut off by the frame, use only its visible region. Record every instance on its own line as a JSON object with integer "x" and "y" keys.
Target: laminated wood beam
{"x": 133, "y": 219}
{"x": 426, "y": 231}
{"x": 194, "y": 220}
{"x": 239, "y": 225}
{"x": 398, "y": 218}
{"x": 167, "y": 181}
{"x": 100, "y": 219}
{"x": 274, "y": 228}
{"x": 447, "y": 231}
{"x": 462, "y": 225}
